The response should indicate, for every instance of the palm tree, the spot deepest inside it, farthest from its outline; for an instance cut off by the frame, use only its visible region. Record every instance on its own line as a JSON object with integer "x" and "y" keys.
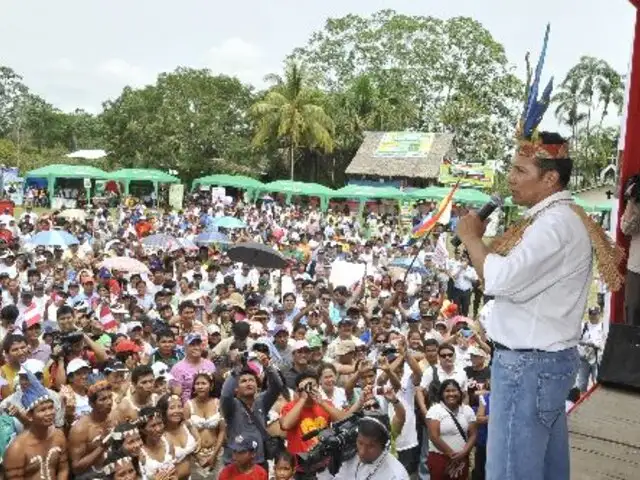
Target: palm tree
{"x": 610, "y": 88}
{"x": 588, "y": 73}
{"x": 568, "y": 101}
{"x": 292, "y": 112}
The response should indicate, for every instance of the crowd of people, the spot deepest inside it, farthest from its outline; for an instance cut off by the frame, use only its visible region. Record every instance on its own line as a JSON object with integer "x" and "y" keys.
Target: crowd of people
{"x": 199, "y": 367}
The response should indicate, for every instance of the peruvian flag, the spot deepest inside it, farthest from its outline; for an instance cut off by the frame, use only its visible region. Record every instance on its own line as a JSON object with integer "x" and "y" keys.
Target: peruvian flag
{"x": 32, "y": 315}
{"x": 106, "y": 317}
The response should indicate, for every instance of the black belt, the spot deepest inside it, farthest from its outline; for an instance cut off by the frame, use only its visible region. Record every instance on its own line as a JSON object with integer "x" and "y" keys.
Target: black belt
{"x": 499, "y": 346}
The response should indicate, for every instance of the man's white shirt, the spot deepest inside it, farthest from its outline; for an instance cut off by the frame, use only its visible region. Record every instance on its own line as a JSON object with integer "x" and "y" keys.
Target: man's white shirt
{"x": 541, "y": 286}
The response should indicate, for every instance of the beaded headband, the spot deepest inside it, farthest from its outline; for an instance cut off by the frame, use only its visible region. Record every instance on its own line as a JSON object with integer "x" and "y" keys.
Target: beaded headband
{"x": 110, "y": 468}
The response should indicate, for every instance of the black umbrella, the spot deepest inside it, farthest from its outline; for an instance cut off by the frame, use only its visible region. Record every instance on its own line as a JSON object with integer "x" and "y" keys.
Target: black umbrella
{"x": 257, "y": 255}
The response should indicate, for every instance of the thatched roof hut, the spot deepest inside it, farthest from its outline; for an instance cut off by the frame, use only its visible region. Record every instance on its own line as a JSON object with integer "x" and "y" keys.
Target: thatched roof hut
{"x": 415, "y": 155}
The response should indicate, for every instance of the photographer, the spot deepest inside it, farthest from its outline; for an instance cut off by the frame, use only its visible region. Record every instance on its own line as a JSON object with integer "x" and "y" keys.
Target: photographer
{"x": 373, "y": 460}
{"x": 244, "y": 409}
{"x": 630, "y": 226}
{"x": 309, "y": 412}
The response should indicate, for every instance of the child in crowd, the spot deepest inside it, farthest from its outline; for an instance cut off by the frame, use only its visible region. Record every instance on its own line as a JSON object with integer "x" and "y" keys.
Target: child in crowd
{"x": 243, "y": 466}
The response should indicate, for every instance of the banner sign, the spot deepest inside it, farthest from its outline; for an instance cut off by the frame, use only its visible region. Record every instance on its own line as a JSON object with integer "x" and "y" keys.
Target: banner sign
{"x": 478, "y": 175}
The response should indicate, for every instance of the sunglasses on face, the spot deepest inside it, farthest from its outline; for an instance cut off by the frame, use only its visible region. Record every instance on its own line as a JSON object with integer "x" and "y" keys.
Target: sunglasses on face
{"x": 446, "y": 355}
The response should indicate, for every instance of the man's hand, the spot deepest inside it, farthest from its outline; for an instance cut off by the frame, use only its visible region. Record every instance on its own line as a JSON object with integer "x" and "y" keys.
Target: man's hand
{"x": 471, "y": 227}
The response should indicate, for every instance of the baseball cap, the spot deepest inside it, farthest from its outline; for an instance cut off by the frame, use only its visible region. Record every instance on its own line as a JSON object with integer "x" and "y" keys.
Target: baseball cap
{"x": 279, "y": 329}
{"x": 131, "y": 326}
{"x": 241, "y": 444}
{"x": 345, "y": 347}
{"x": 32, "y": 365}
{"x": 192, "y": 337}
{"x": 212, "y": 329}
{"x": 125, "y": 346}
{"x": 299, "y": 345}
{"x": 161, "y": 370}
{"x": 115, "y": 366}
{"x": 477, "y": 351}
{"x": 77, "y": 364}
{"x": 315, "y": 341}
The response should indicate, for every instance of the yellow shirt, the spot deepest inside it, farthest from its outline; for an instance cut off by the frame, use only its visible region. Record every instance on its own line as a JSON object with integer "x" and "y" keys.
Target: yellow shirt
{"x": 9, "y": 374}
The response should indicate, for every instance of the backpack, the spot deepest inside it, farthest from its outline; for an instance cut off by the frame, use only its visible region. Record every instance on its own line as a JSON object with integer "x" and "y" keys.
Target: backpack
{"x": 434, "y": 387}
{"x": 7, "y": 433}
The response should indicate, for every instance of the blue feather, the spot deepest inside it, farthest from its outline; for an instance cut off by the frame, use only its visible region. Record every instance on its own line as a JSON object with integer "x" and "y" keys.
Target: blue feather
{"x": 534, "y": 108}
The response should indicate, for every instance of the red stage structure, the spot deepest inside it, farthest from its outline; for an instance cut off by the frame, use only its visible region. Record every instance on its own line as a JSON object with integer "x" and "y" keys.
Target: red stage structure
{"x": 630, "y": 162}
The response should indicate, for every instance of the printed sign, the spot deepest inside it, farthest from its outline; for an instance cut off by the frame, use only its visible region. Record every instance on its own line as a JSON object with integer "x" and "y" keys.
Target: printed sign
{"x": 404, "y": 145}
{"x": 176, "y": 195}
{"x": 476, "y": 175}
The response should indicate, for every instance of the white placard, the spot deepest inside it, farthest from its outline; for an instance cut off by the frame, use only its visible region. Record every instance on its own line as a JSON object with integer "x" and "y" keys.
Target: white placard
{"x": 346, "y": 274}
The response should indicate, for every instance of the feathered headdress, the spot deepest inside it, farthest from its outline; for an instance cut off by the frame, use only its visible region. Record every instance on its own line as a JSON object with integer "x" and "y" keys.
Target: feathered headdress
{"x": 34, "y": 394}
{"x": 529, "y": 144}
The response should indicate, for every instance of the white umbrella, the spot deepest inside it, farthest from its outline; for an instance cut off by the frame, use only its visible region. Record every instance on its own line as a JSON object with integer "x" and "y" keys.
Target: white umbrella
{"x": 74, "y": 214}
{"x": 124, "y": 264}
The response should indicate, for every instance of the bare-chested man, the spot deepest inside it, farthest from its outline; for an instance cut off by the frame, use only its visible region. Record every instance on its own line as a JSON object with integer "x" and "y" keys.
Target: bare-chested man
{"x": 40, "y": 452}
{"x": 142, "y": 380}
{"x": 87, "y": 445}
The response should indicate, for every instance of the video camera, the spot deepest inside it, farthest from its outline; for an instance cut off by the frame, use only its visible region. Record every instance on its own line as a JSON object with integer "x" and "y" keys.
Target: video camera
{"x": 631, "y": 190}
{"x": 335, "y": 445}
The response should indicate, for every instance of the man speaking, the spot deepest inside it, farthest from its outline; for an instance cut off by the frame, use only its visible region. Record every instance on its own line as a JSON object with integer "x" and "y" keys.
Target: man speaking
{"x": 540, "y": 274}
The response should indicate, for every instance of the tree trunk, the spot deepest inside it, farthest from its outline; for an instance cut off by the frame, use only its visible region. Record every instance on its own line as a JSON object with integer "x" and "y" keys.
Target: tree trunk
{"x": 292, "y": 159}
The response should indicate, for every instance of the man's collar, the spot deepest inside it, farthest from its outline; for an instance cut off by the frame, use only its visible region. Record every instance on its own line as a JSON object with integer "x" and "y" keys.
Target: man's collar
{"x": 563, "y": 196}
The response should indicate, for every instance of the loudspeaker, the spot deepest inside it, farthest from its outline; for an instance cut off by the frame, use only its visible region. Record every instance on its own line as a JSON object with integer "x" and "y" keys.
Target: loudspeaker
{"x": 620, "y": 366}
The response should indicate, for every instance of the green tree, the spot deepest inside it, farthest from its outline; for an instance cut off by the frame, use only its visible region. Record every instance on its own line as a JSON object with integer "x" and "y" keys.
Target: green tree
{"x": 595, "y": 83}
{"x": 293, "y": 113}
{"x": 453, "y": 73}
{"x": 593, "y": 153}
{"x": 12, "y": 92}
{"x": 568, "y": 103}
{"x": 183, "y": 122}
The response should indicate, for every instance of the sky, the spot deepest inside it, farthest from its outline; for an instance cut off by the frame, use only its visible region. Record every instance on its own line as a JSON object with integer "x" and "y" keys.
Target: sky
{"x": 78, "y": 53}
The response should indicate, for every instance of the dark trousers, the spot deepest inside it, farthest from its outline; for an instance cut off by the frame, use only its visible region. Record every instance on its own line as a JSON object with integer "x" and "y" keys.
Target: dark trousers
{"x": 462, "y": 298}
{"x": 410, "y": 458}
{"x": 632, "y": 299}
{"x": 480, "y": 461}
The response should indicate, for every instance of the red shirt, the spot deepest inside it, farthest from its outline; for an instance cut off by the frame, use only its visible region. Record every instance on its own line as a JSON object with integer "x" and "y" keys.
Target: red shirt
{"x": 312, "y": 418}
{"x": 231, "y": 472}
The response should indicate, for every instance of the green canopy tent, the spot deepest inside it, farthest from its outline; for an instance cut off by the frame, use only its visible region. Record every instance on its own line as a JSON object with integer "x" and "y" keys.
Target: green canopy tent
{"x": 429, "y": 193}
{"x": 55, "y": 171}
{"x": 249, "y": 184}
{"x": 156, "y": 177}
{"x": 291, "y": 187}
{"x": 365, "y": 192}
{"x": 470, "y": 196}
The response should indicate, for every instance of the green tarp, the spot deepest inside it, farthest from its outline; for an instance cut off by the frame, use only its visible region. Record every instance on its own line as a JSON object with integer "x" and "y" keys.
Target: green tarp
{"x": 67, "y": 171}
{"x": 362, "y": 192}
{"x": 142, "y": 174}
{"x": 235, "y": 181}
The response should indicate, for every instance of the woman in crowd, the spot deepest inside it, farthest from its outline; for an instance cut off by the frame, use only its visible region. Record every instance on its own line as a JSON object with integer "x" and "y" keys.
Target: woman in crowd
{"x": 202, "y": 412}
{"x": 185, "y": 442}
{"x": 157, "y": 454}
{"x": 452, "y": 434}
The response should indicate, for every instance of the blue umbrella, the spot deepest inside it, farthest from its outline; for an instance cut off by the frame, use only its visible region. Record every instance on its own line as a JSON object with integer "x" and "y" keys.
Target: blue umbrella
{"x": 54, "y": 238}
{"x": 205, "y": 238}
{"x": 418, "y": 266}
{"x": 229, "y": 222}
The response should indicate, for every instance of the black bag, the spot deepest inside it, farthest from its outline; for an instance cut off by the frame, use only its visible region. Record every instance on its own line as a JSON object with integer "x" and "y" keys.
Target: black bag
{"x": 620, "y": 365}
{"x": 434, "y": 387}
{"x": 272, "y": 445}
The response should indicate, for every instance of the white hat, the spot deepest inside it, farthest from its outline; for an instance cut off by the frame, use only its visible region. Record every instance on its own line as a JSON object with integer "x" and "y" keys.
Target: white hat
{"x": 32, "y": 365}
{"x": 76, "y": 364}
{"x": 299, "y": 345}
{"x": 133, "y": 325}
{"x": 161, "y": 370}
{"x": 477, "y": 351}
{"x": 213, "y": 328}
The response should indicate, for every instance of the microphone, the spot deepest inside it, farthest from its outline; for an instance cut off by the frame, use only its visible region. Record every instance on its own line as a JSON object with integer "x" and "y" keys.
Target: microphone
{"x": 487, "y": 209}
